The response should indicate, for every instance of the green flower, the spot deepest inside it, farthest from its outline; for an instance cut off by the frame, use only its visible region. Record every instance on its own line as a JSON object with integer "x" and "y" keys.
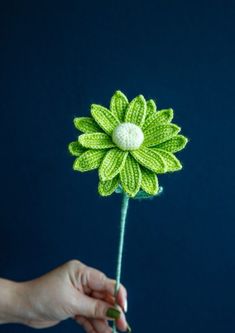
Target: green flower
{"x": 130, "y": 144}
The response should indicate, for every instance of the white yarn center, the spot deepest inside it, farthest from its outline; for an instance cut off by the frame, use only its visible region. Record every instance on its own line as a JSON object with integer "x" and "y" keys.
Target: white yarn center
{"x": 128, "y": 136}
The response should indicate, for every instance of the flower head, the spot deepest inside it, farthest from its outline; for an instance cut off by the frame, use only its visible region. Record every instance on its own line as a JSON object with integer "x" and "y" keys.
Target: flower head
{"x": 130, "y": 144}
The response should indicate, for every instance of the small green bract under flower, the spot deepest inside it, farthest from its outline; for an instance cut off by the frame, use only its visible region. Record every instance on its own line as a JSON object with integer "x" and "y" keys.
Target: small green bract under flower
{"x": 130, "y": 144}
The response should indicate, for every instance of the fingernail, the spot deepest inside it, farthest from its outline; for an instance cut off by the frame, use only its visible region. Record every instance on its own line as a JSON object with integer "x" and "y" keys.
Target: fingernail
{"x": 125, "y": 305}
{"x": 128, "y": 328}
{"x": 113, "y": 313}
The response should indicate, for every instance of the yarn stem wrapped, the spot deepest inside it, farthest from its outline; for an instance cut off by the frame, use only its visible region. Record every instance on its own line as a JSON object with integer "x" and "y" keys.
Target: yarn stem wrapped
{"x": 123, "y": 218}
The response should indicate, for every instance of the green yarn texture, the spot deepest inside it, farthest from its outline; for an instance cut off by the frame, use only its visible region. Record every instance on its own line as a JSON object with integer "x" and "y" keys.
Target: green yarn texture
{"x": 134, "y": 170}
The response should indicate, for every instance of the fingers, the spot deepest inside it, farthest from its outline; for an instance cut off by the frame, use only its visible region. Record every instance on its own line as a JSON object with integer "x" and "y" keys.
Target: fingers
{"x": 94, "y": 325}
{"x": 97, "y": 325}
{"x": 103, "y": 296}
{"x": 122, "y": 297}
{"x": 98, "y": 281}
{"x": 101, "y": 326}
{"x": 86, "y": 324}
{"x": 93, "y": 308}
{"x": 99, "y": 309}
{"x": 121, "y": 323}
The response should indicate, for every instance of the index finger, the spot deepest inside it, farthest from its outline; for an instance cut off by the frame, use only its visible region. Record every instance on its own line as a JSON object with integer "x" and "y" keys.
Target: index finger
{"x": 98, "y": 281}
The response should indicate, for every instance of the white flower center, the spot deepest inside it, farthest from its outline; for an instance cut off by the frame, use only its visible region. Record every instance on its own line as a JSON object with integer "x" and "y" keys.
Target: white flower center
{"x": 128, "y": 136}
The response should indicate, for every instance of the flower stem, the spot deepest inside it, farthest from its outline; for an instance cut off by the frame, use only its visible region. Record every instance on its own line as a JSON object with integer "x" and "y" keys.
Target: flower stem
{"x": 124, "y": 208}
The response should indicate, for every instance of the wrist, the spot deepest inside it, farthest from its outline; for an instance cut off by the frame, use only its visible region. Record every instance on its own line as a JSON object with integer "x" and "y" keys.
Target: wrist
{"x": 13, "y": 303}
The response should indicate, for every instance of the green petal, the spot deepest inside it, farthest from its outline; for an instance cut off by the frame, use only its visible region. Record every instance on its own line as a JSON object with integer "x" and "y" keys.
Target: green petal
{"x": 86, "y": 125}
{"x": 75, "y": 148}
{"x": 130, "y": 176}
{"x": 156, "y": 134}
{"x": 149, "y": 181}
{"x": 96, "y": 140}
{"x": 160, "y": 117}
{"x": 108, "y": 187}
{"x": 136, "y": 111}
{"x": 172, "y": 163}
{"x": 104, "y": 118}
{"x": 150, "y": 159}
{"x": 118, "y": 105}
{"x": 112, "y": 163}
{"x": 173, "y": 145}
{"x": 89, "y": 160}
{"x": 151, "y": 108}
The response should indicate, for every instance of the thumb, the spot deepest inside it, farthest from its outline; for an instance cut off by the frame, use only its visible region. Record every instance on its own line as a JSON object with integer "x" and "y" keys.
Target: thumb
{"x": 95, "y": 308}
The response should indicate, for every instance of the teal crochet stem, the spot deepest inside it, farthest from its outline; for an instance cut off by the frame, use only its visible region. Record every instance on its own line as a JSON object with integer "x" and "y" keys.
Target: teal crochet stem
{"x": 124, "y": 208}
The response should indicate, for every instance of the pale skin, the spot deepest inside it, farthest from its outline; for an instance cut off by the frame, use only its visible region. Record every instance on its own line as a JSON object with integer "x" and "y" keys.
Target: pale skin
{"x": 73, "y": 290}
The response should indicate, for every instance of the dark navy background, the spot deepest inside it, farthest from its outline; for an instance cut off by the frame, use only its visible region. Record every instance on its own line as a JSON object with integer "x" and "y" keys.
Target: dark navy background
{"x": 58, "y": 57}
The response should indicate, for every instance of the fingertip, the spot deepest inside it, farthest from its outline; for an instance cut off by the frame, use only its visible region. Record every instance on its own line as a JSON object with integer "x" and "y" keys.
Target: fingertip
{"x": 122, "y": 298}
{"x": 124, "y": 290}
{"x": 121, "y": 323}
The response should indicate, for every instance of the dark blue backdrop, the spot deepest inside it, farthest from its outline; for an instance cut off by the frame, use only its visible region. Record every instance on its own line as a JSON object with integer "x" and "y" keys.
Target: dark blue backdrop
{"x": 56, "y": 58}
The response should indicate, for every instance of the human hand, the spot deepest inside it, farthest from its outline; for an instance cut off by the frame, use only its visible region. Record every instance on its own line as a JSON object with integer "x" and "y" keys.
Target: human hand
{"x": 76, "y": 291}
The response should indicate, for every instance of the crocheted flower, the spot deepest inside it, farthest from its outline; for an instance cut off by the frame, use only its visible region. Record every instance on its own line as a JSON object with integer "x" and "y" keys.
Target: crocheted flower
{"x": 129, "y": 144}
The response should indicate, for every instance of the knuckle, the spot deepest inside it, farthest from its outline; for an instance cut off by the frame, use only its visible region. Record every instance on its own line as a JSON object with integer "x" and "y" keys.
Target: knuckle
{"x": 74, "y": 264}
{"x": 95, "y": 274}
{"x": 102, "y": 277}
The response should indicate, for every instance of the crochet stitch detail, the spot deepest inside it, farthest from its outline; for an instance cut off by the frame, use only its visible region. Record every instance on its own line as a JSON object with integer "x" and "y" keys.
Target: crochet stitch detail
{"x": 130, "y": 144}
{"x": 128, "y": 136}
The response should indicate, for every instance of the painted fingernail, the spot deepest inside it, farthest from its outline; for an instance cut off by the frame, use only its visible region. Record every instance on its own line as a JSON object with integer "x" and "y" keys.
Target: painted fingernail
{"x": 113, "y": 313}
{"x": 125, "y": 305}
{"x": 128, "y": 328}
